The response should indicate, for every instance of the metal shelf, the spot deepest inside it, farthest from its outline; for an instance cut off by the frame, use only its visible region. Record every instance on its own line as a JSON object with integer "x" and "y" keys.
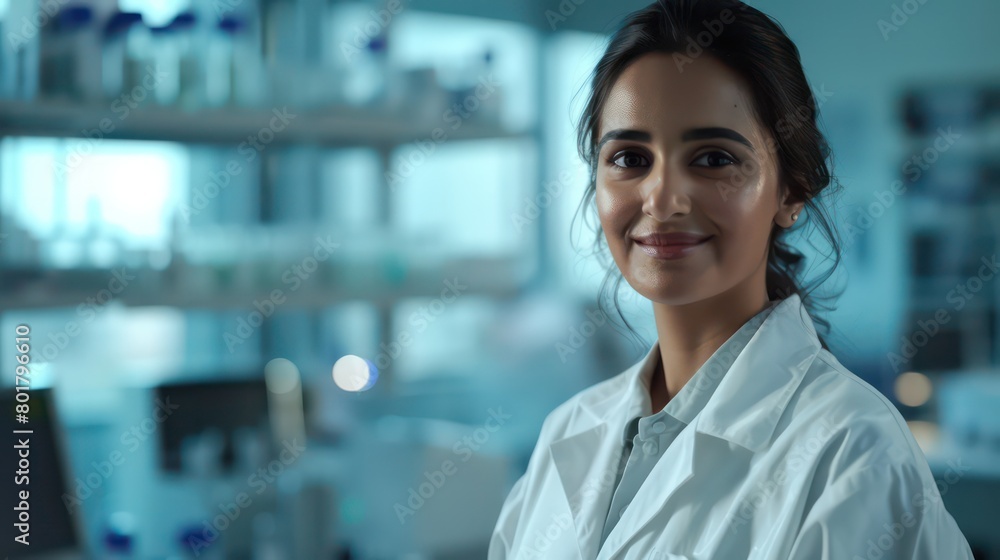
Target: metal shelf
{"x": 979, "y": 143}
{"x": 494, "y": 277}
{"x": 336, "y": 126}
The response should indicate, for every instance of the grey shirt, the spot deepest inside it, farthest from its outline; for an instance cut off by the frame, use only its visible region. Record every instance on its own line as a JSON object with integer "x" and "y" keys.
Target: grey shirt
{"x": 645, "y": 438}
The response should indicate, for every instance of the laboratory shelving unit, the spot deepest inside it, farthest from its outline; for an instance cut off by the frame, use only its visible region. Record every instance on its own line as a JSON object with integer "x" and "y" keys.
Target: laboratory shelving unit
{"x": 952, "y": 225}
{"x": 31, "y": 288}
{"x": 334, "y": 126}
{"x": 383, "y": 277}
{"x": 953, "y": 222}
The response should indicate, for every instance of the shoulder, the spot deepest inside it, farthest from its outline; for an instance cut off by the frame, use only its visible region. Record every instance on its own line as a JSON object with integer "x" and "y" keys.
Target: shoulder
{"x": 865, "y": 459}
{"x": 852, "y": 421}
{"x": 840, "y": 394}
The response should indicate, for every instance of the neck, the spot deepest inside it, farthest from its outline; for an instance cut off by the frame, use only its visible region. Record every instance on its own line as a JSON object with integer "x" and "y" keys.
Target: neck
{"x": 689, "y": 334}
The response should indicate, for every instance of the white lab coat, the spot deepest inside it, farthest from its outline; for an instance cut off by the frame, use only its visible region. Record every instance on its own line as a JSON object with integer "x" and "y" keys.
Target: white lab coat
{"x": 793, "y": 457}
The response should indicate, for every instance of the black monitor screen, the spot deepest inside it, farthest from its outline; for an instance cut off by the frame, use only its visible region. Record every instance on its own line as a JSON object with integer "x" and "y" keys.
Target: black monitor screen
{"x": 34, "y": 463}
{"x": 224, "y": 405}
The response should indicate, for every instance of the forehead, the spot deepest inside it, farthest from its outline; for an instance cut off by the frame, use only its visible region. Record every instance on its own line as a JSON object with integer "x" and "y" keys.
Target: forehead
{"x": 655, "y": 93}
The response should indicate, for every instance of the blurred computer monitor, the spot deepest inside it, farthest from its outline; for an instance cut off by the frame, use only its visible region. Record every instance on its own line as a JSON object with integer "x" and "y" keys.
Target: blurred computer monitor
{"x": 54, "y": 532}
{"x": 223, "y": 405}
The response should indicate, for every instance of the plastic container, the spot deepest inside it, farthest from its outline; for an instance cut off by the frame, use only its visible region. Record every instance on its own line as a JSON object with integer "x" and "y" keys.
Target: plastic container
{"x": 21, "y": 52}
{"x": 199, "y": 541}
{"x": 119, "y": 540}
{"x": 121, "y": 33}
{"x": 248, "y": 84}
{"x": 178, "y": 63}
{"x": 233, "y": 67}
{"x": 67, "y": 56}
{"x": 366, "y": 84}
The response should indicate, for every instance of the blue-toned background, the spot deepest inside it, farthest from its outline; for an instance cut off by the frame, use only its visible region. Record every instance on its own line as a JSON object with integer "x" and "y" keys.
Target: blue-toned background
{"x": 205, "y": 204}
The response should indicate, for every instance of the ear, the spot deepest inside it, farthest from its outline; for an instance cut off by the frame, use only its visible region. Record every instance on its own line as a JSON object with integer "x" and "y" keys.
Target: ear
{"x": 790, "y": 212}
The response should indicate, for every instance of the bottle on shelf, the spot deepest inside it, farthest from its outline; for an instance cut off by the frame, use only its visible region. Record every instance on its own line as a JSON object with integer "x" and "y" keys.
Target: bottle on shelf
{"x": 140, "y": 76}
{"x": 488, "y": 100}
{"x": 232, "y": 66}
{"x": 492, "y": 104}
{"x": 366, "y": 83}
{"x": 177, "y": 62}
{"x": 119, "y": 537}
{"x": 103, "y": 247}
{"x": 117, "y": 72}
{"x": 199, "y": 540}
{"x": 64, "y": 55}
{"x": 219, "y": 68}
{"x": 19, "y": 58}
{"x": 240, "y": 63}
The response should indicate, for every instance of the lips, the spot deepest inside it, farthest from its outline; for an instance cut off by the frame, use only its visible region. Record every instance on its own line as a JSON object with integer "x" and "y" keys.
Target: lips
{"x": 671, "y": 239}
{"x": 671, "y": 246}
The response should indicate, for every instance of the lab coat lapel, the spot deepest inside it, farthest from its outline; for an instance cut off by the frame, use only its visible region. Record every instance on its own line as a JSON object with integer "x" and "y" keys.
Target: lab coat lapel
{"x": 744, "y": 410}
{"x": 666, "y": 477}
{"x": 752, "y": 396}
{"x": 588, "y": 460}
{"x": 584, "y": 479}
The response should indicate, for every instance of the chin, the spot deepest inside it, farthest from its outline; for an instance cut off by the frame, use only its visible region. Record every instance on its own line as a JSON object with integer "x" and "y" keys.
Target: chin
{"x": 666, "y": 288}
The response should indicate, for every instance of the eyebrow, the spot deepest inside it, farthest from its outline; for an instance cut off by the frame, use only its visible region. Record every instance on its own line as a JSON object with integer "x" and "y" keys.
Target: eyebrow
{"x": 687, "y": 136}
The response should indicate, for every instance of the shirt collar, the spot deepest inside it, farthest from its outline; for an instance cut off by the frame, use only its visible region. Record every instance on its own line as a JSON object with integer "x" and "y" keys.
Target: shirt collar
{"x": 691, "y": 399}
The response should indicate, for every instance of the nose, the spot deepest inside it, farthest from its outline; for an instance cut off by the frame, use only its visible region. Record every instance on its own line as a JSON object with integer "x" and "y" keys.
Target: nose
{"x": 664, "y": 193}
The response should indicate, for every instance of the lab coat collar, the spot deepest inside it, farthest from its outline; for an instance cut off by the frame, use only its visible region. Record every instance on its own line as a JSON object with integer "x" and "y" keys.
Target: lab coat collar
{"x": 750, "y": 397}
{"x": 744, "y": 409}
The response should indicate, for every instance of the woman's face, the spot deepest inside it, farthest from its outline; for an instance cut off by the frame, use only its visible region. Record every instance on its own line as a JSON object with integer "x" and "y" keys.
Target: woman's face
{"x": 679, "y": 151}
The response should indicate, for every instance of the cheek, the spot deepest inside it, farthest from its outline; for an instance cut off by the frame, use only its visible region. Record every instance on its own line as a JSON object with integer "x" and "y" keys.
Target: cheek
{"x": 613, "y": 208}
{"x": 744, "y": 216}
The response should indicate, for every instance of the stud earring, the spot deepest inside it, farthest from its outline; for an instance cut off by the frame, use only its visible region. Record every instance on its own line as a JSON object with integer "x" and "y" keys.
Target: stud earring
{"x": 795, "y": 217}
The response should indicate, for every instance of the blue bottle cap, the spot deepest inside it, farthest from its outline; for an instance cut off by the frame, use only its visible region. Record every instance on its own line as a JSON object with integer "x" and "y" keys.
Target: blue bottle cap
{"x": 184, "y": 20}
{"x": 121, "y": 22}
{"x": 117, "y": 542}
{"x": 231, "y": 25}
{"x": 377, "y": 44}
{"x": 72, "y": 18}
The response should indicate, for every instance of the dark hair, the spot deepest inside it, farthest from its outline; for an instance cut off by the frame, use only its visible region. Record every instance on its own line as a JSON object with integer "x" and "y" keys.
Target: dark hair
{"x": 757, "y": 48}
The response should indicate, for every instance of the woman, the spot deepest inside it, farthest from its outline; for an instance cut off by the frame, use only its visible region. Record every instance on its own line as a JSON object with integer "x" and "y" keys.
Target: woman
{"x": 739, "y": 435}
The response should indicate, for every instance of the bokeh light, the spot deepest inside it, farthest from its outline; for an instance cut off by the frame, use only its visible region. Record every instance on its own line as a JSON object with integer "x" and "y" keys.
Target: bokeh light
{"x": 354, "y": 373}
{"x": 913, "y": 389}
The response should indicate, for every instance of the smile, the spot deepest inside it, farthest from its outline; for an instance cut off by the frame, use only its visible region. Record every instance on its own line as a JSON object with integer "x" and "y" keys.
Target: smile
{"x": 670, "y": 252}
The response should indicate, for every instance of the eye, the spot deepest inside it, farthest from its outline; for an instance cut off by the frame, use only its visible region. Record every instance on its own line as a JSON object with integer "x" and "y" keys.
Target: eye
{"x": 720, "y": 159}
{"x": 626, "y": 160}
